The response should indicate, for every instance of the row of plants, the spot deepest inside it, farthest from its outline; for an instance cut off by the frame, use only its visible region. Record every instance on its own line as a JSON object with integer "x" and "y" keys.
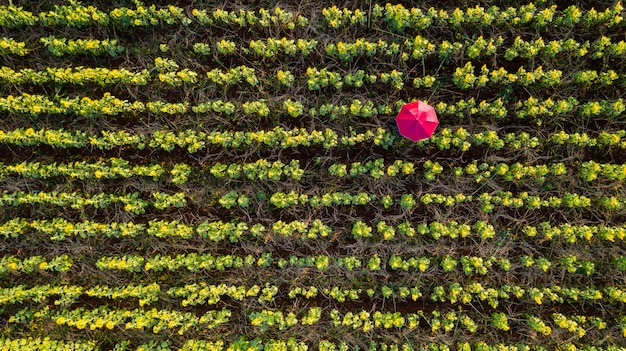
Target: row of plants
{"x": 193, "y": 140}
{"x": 9, "y": 263}
{"x": 320, "y": 78}
{"x": 400, "y": 19}
{"x": 68, "y": 294}
{"x": 455, "y": 293}
{"x": 243, "y": 343}
{"x": 487, "y": 202}
{"x": 260, "y": 169}
{"x": 531, "y": 108}
{"x": 577, "y": 324}
{"x": 445, "y": 322}
{"x": 115, "y": 168}
{"x": 74, "y": 14}
{"x": 201, "y": 293}
{"x": 327, "y": 345}
{"x": 109, "y": 105}
{"x": 112, "y": 168}
{"x": 237, "y": 231}
{"x": 132, "y": 202}
{"x": 8, "y": 46}
{"x": 277, "y": 319}
{"x": 574, "y": 233}
{"x": 397, "y": 17}
{"x": 447, "y": 138}
{"x": 508, "y": 172}
{"x": 105, "y": 318}
{"x": 374, "y": 168}
{"x": 482, "y": 265}
{"x": 261, "y": 48}
{"x": 450, "y": 229}
{"x": 218, "y": 231}
{"x": 270, "y": 47}
{"x": 247, "y": 18}
{"x": 196, "y": 294}
{"x": 417, "y": 48}
{"x": 591, "y": 170}
{"x": 480, "y": 172}
{"x": 64, "y": 46}
{"x": 463, "y": 77}
{"x": 414, "y": 49}
{"x": 469, "y": 265}
{"x": 75, "y": 75}
{"x": 439, "y": 322}
{"x": 61, "y": 46}
{"x": 159, "y": 320}
{"x": 47, "y": 344}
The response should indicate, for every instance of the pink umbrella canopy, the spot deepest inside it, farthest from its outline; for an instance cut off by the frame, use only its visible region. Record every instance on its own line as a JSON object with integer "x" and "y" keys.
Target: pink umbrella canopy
{"x": 417, "y": 121}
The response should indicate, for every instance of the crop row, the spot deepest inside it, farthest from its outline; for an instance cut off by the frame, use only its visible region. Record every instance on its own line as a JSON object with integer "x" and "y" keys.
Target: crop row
{"x": 75, "y": 75}
{"x": 196, "y": 294}
{"x": 65, "y": 46}
{"x": 134, "y": 203}
{"x": 47, "y": 344}
{"x": 242, "y": 343}
{"x": 448, "y": 138}
{"x": 114, "y": 168}
{"x": 60, "y": 46}
{"x": 480, "y": 172}
{"x": 420, "y": 48}
{"x": 416, "y": 48}
{"x": 37, "y": 263}
{"x": 437, "y": 321}
{"x": 131, "y": 201}
{"x": 236, "y": 231}
{"x": 315, "y": 79}
{"x": 261, "y": 169}
{"x": 400, "y": 18}
{"x": 396, "y": 17}
{"x": 193, "y": 140}
{"x": 168, "y": 72}
{"x": 76, "y": 15}
{"x": 69, "y": 294}
{"x": 465, "y": 77}
{"x": 108, "y": 105}
{"x": 446, "y": 322}
{"x": 487, "y": 202}
{"x": 195, "y": 262}
{"x": 106, "y": 318}
{"x": 467, "y": 264}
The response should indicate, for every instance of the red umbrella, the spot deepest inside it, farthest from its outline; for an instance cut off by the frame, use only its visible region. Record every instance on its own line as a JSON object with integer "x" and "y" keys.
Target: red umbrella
{"x": 417, "y": 121}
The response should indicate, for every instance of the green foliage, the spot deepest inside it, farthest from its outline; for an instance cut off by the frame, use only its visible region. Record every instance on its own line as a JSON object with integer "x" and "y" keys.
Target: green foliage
{"x": 257, "y": 195}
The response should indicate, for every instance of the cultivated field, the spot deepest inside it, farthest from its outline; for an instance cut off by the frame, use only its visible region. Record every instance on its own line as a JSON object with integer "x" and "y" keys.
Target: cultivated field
{"x": 194, "y": 175}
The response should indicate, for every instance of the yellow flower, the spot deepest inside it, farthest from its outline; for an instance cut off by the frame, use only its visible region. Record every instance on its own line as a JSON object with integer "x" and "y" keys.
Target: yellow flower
{"x": 81, "y": 324}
